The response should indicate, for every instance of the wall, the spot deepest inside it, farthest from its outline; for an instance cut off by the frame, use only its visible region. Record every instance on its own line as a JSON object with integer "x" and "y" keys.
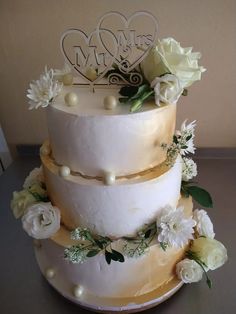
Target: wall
{"x": 30, "y": 34}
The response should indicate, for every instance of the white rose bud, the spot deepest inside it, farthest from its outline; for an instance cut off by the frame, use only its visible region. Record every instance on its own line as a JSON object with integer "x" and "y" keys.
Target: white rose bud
{"x": 210, "y": 251}
{"x": 21, "y": 200}
{"x": 41, "y": 220}
{"x": 204, "y": 225}
{"x": 167, "y": 89}
{"x": 189, "y": 271}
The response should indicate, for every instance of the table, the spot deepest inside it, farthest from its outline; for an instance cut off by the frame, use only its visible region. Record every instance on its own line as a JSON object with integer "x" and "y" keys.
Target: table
{"x": 23, "y": 290}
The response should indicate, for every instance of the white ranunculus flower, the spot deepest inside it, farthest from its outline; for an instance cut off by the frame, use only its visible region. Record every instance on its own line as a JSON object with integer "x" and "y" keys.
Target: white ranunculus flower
{"x": 189, "y": 169}
{"x": 20, "y": 201}
{"x": 189, "y": 271}
{"x": 35, "y": 176}
{"x": 210, "y": 251}
{"x": 42, "y": 91}
{"x": 169, "y": 57}
{"x": 41, "y": 220}
{"x": 167, "y": 89}
{"x": 174, "y": 228}
{"x": 204, "y": 225}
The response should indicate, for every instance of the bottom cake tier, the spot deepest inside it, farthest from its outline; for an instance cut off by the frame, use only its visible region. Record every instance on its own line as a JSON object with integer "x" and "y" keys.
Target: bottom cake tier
{"x": 135, "y": 285}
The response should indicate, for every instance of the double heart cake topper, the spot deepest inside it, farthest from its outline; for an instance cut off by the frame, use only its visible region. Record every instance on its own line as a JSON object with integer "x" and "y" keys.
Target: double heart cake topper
{"x": 113, "y": 50}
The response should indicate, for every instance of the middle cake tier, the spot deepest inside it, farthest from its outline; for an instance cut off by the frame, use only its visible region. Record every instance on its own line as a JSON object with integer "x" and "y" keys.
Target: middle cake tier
{"x": 115, "y": 210}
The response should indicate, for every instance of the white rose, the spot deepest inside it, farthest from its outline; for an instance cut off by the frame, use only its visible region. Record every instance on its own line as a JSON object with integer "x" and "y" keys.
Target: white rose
{"x": 41, "y": 220}
{"x": 35, "y": 176}
{"x": 167, "y": 89}
{"x": 189, "y": 271}
{"x": 21, "y": 200}
{"x": 204, "y": 225}
{"x": 169, "y": 57}
{"x": 210, "y": 251}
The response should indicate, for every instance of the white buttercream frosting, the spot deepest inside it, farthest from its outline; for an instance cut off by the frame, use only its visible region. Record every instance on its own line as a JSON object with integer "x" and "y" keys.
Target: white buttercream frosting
{"x": 90, "y": 139}
{"x": 133, "y": 278}
{"x": 115, "y": 210}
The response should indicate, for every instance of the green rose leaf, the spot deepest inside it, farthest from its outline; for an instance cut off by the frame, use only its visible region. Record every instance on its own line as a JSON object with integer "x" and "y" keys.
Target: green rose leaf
{"x": 128, "y": 91}
{"x": 118, "y": 256}
{"x": 108, "y": 257}
{"x": 99, "y": 243}
{"x": 141, "y": 91}
{"x": 200, "y": 195}
{"x": 148, "y": 233}
{"x": 92, "y": 253}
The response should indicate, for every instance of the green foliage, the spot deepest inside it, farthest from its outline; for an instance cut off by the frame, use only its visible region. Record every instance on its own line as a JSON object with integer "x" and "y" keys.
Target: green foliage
{"x": 90, "y": 245}
{"x": 192, "y": 255}
{"x": 163, "y": 246}
{"x": 113, "y": 255}
{"x": 136, "y": 95}
{"x": 198, "y": 194}
{"x": 137, "y": 246}
{"x": 40, "y": 198}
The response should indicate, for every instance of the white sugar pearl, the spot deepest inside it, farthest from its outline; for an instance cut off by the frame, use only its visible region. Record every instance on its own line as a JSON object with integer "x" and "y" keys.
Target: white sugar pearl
{"x": 91, "y": 74}
{"x": 64, "y": 171}
{"x": 67, "y": 79}
{"x": 50, "y": 273}
{"x": 45, "y": 150}
{"x": 78, "y": 291}
{"x": 110, "y": 102}
{"x": 71, "y": 99}
{"x": 109, "y": 178}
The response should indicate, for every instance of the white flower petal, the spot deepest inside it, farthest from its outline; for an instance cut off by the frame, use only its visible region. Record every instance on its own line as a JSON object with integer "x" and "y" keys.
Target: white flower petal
{"x": 174, "y": 228}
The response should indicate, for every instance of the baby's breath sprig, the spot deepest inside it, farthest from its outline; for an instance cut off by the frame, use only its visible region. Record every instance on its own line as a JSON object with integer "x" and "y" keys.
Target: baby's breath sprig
{"x": 136, "y": 247}
{"x": 90, "y": 245}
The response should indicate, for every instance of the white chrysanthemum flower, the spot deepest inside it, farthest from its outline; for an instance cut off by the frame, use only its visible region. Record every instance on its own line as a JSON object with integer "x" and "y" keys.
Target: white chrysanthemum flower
{"x": 173, "y": 228}
{"x": 189, "y": 169}
{"x": 59, "y": 73}
{"x": 41, "y": 220}
{"x": 42, "y": 91}
{"x": 189, "y": 271}
{"x": 185, "y": 138}
{"x": 35, "y": 176}
{"x": 204, "y": 225}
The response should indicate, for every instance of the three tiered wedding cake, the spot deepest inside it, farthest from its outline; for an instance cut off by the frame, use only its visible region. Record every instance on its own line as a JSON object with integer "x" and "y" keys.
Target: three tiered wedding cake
{"x": 111, "y": 207}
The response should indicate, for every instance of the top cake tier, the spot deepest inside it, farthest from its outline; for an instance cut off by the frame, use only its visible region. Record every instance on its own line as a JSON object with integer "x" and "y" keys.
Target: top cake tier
{"x": 92, "y": 140}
